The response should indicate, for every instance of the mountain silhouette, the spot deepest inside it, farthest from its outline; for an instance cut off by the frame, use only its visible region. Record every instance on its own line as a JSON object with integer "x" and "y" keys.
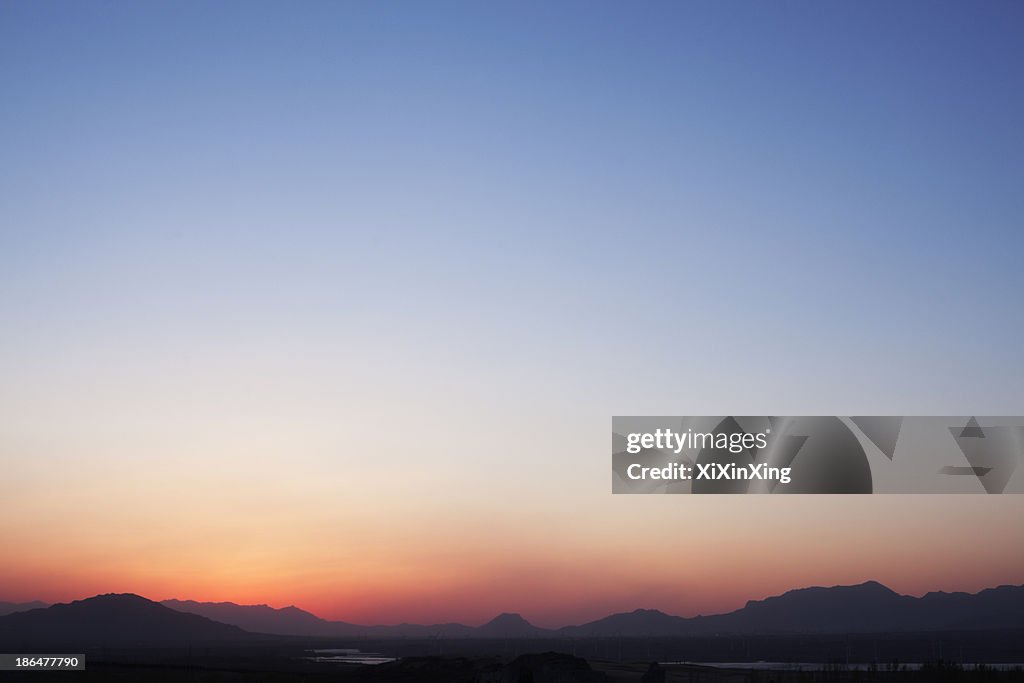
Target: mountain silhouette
{"x": 510, "y": 626}
{"x": 292, "y": 621}
{"x": 864, "y": 608}
{"x": 112, "y": 619}
{"x": 1001, "y": 607}
{"x": 261, "y": 618}
{"x": 641, "y": 622}
{"x": 298, "y": 622}
{"x": 12, "y": 607}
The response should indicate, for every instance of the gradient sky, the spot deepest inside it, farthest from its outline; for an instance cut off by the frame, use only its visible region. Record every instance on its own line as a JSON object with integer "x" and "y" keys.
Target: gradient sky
{"x": 331, "y": 303}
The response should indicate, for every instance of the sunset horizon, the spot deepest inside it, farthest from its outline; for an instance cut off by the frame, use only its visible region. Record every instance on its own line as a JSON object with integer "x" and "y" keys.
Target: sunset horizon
{"x": 527, "y": 617}
{"x": 428, "y": 312}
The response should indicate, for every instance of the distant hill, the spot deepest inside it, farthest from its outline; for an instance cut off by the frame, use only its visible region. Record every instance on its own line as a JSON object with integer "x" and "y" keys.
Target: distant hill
{"x": 641, "y": 622}
{"x": 12, "y": 607}
{"x": 112, "y": 619}
{"x": 864, "y": 608}
{"x": 510, "y": 626}
{"x": 292, "y": 621}
{"x": 261, "y": 618}
{"x": 992, "y": 608}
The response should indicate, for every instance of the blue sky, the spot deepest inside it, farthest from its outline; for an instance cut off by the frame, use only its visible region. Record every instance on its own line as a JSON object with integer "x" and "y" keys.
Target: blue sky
{"x": 279, "y": 228}
{"x": 853, "y": 169}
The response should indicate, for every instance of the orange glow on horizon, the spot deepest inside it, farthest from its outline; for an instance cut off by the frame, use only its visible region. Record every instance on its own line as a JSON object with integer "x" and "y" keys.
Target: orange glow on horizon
{"x": 562, "y": 574}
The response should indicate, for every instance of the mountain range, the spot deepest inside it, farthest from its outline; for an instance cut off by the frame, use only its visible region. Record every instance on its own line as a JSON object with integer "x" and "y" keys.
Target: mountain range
{"x": 113, "y": 619}
{"x": 297, "y": 622}
{"x": 11, "y": 607}
{"x": 864, "y": 608}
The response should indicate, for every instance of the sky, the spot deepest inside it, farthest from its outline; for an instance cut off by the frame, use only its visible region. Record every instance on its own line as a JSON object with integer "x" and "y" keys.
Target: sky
{"x": 331, "y": 304}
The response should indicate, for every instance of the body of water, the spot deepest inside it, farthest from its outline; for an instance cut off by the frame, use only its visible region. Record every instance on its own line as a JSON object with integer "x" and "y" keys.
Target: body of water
{"x": 344, "y": 655}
